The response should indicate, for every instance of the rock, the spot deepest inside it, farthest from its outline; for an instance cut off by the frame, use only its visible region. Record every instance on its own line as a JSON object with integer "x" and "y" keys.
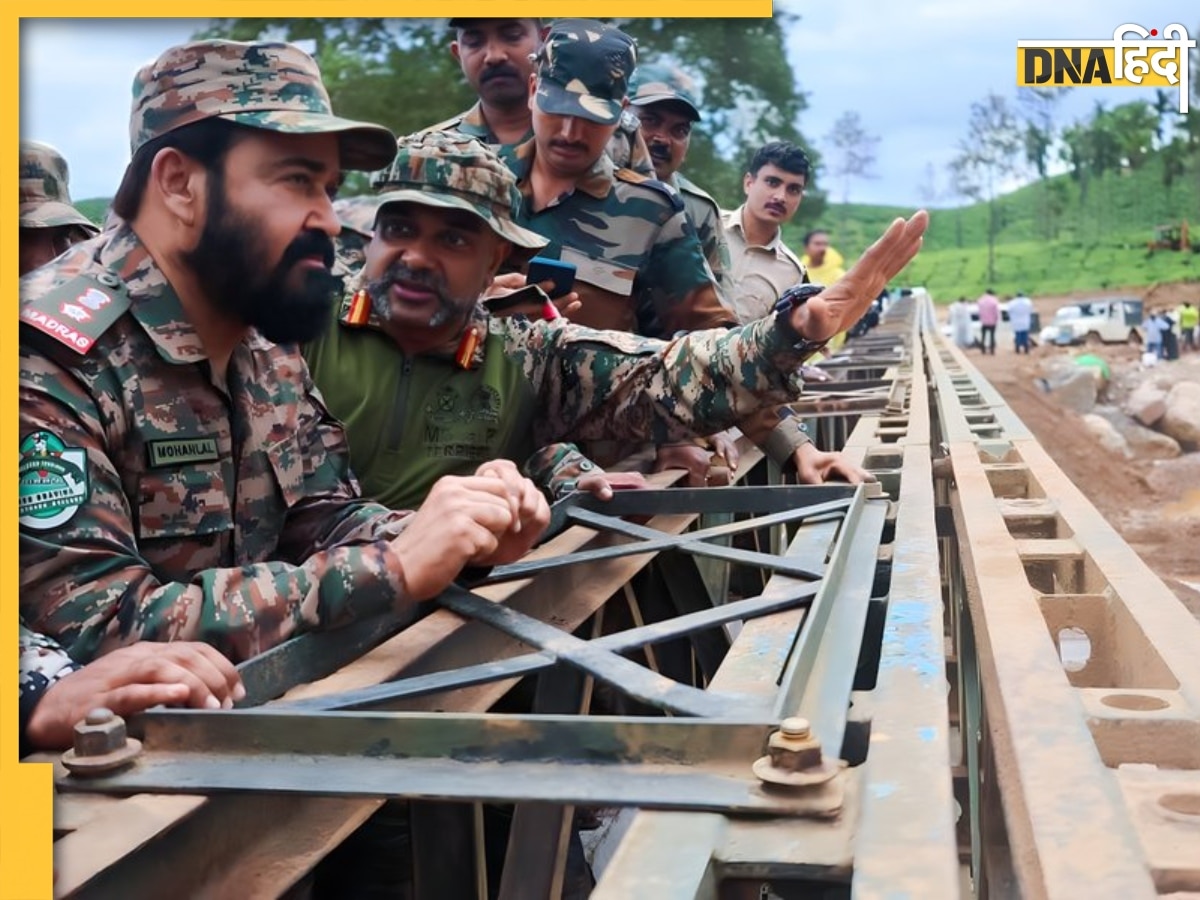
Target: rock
{"x": 1076, "y": 391}
{"x": 1106, "y": 435}
{"x": 1146, "y": 442}
{"x": 1147, "y": 403}
{"x": 1182, "y": 419}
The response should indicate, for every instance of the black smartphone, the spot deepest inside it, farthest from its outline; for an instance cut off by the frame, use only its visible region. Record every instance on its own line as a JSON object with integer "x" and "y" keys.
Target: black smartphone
{"x": 561, "y": 273}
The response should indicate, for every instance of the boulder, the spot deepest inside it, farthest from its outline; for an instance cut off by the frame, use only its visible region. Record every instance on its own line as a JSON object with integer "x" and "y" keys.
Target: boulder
{"x": 1146, "y": 442}
{"x": 1182, "y": 419}
{"x": 1076, "y": 391}
{"x": 1106, "y": 435}
{"x": 1147, "y": 403}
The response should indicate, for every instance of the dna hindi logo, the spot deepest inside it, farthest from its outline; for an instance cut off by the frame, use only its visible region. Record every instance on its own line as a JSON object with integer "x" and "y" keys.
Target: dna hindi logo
{"x": 1147, "y": 59}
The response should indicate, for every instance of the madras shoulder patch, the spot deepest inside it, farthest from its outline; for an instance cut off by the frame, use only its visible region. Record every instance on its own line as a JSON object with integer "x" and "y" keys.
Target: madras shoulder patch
{"x": 53, "y": 483}
{"x": 180, "y": 451}
{"x": 78, "y": 311}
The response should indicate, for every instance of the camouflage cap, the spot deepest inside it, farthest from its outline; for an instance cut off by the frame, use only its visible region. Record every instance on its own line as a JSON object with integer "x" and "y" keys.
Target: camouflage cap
{"x": 357, "y": 213}
{"x": 452, "y": 171}
{"x": 583, "y": 70}
{"x": 658, "y": 83}
{"x": 44, "y": 196}
{"x": 272, "y": 86}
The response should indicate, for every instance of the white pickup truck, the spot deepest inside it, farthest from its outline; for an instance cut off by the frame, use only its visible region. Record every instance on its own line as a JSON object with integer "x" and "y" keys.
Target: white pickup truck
{"x": 1110, "y": 321}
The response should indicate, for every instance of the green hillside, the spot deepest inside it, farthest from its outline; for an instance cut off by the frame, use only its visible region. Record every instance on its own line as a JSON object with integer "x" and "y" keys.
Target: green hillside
{"x": 95, "y": 208}
{"x": 1090, "y": 243}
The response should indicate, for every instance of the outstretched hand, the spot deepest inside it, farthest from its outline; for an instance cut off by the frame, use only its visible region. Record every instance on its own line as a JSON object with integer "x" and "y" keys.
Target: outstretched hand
{"x": 845, "y": 301}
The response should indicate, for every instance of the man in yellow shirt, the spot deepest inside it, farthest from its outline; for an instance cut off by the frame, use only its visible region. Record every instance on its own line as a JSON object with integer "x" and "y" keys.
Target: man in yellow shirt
{"x": 825, "y": 266}
{"x": 1188, "y": 317}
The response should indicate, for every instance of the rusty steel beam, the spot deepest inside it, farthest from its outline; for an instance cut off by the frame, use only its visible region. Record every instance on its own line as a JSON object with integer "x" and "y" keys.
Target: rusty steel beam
{"x": 1090, "y": 766}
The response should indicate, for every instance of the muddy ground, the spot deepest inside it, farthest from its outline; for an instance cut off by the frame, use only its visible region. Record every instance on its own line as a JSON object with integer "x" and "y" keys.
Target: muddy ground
{"x": 1154, "y": 504}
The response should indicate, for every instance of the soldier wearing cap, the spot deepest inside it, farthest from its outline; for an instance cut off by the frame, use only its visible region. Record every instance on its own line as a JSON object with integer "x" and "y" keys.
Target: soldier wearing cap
{"x": 49, "y": 223}
{"x": 665, "y": 102}
{"x": 180, "y": 477}
{"x": 429, "y": 384}
{"x": 639, "y": 266}
{"x": 497, "y": 59}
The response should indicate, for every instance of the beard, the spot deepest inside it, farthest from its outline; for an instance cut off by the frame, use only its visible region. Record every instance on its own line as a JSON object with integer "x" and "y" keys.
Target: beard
{"x": 448, "y": 308}
{"x": 228, "y": 265}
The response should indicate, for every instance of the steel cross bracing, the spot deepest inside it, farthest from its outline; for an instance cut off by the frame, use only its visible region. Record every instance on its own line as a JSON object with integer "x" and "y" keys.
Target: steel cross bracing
{"x": 688, "y": 763}
{"x": 870, "y": 636}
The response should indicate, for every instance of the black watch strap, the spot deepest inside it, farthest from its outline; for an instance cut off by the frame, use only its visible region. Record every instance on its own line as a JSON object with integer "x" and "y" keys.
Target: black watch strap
{"x": 793, "y": 297}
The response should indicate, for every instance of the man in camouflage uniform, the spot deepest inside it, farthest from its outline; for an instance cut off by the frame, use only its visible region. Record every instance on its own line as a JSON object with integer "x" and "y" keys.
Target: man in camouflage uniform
{"x": 664, "y": 100}
{"x": 496, "y": 56}
{"x": 126, "y": 681}
{"x": 460, "y": 386}
{"x": 49, "y": 223}
{"x": 180, "y": 478}
{"x": 639, "y": 266}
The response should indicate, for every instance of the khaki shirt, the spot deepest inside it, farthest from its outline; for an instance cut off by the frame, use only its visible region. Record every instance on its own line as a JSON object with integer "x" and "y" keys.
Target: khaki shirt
{"x": 760, "y": 274}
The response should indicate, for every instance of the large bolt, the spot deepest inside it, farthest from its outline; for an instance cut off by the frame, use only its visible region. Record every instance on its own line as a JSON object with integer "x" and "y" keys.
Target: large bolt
{"x": 101, "y": 745}
{"x": 793, "y": 746}
{"x": 794, "y": 757}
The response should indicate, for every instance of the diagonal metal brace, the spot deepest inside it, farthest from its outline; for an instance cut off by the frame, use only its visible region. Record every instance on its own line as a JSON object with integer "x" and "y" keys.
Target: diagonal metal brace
{"x": 518, "y": 666}
{"x": 653, "y": 541}
{"x": 629, "y": 677}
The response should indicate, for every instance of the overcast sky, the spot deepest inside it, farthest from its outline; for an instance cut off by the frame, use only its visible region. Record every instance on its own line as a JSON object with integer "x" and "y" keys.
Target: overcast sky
{"x": 911, "y": 70}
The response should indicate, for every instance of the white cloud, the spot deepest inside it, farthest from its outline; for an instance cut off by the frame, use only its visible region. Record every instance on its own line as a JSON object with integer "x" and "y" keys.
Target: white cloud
{"x": 912, "y": 70}
{"x": 75, "y": 89}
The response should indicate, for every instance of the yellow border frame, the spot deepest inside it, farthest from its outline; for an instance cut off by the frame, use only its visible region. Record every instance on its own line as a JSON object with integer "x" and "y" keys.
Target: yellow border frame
{"x": 26, "y": 789}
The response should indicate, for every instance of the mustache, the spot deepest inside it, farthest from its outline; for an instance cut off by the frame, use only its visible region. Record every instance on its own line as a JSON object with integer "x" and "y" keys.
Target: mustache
{"x": 503, "y": 70}
{"x": 661, "y": 152}
{"x": 309, "y": 243}
{"x": 398, "y": 271}
{"x": 567, "y": 145}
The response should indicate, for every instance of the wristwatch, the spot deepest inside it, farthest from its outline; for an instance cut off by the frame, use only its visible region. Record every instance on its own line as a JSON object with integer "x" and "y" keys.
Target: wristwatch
{"x": 793, "y": 297}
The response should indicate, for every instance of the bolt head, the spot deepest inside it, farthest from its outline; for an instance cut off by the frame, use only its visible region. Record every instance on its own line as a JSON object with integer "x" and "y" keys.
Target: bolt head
{"x": 795, "y": 727}
{"x": 99, "y": 716}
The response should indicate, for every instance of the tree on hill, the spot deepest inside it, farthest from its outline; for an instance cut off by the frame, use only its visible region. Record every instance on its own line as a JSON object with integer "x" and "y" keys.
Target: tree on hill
{"x": 1038, "y": 109}
{"x": 987, "y": 156}
{"x": 853, "y": 151}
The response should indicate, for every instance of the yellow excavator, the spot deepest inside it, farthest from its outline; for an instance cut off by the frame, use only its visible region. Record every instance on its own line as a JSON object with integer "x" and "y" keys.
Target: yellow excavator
{"x": 1172, "y": 237}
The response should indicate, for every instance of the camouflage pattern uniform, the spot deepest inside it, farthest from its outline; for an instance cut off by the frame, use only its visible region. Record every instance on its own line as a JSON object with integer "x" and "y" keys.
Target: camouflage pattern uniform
{"x": 158, "y": 499}
{"x": 357, "y": 217}
{"x": 639, "y": 264}
{"x": 45, "y": 198}
{"x": 657, "y": 83}
{"x": 43, "y": 662}
{"x": 527, "y": 383}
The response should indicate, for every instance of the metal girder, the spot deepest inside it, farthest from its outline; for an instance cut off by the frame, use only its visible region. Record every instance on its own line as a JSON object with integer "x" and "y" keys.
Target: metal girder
{"x": 585, "y": 761}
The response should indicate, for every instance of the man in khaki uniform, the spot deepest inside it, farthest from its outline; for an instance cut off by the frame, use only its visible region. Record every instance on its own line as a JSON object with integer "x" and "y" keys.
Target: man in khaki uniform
{"x": 763, "y": 265}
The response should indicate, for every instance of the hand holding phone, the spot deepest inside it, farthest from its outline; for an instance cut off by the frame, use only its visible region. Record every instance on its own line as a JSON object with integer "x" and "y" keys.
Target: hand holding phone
{"x": 562, "y": 274}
